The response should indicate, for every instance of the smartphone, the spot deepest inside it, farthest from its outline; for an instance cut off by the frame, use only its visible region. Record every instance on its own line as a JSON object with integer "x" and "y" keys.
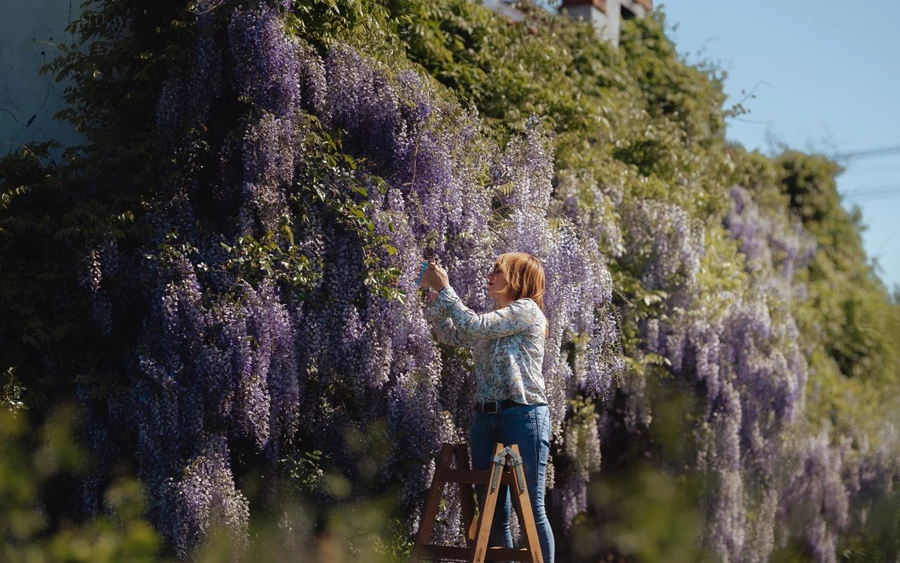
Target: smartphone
{"x": 422, "y": 272}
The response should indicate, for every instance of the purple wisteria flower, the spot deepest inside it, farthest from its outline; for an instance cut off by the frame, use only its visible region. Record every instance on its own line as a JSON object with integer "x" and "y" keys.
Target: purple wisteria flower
{"x": 229, "y": 362}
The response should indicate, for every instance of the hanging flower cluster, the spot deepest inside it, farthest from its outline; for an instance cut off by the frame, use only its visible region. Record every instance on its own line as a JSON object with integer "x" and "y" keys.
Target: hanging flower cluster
{"x": 260, "y": 325}
{"x": 269, "y": 306}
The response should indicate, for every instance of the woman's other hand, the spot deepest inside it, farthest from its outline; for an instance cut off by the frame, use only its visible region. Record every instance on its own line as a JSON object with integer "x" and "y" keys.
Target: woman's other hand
{"x": 435, "y": 277}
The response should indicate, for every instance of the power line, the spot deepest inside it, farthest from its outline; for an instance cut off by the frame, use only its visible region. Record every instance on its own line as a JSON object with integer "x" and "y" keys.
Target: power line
{"x": 886, "y": 195}
{"x": 873, "y": 188}
{"x": 874, "y": 197}
{"x": 868, "y": 153}
{"x": 873, "y": 192}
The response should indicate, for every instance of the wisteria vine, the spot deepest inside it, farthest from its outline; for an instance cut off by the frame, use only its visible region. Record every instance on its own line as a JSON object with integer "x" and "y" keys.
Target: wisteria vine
{"x": 238, "y": 353}
{"x": 271, "y": 310}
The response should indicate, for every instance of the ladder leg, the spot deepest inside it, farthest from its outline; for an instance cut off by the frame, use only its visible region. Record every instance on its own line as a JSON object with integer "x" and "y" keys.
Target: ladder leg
{"x": 522, "y": 503}
{"x": 466, "y": 495}
{"x": 483, "y": 532}
{"x": 433, "y": 503}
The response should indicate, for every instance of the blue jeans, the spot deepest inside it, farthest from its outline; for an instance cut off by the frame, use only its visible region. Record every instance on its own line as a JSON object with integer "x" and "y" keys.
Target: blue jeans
{"x": 528, "y": 426}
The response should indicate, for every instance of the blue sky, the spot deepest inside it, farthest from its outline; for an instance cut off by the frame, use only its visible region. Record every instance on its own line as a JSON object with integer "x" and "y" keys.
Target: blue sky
{"x": 826, "y": 76}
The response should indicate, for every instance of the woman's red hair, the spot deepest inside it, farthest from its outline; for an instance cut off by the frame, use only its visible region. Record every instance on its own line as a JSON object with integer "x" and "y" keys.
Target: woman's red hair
{"x": 524, "y": 277}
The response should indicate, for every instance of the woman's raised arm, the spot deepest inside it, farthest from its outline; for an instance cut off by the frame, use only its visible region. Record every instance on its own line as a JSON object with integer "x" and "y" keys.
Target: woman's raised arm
{"x": 516, "y": 318}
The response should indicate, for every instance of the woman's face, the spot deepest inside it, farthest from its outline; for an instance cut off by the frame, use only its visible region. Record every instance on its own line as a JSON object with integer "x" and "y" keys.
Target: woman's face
{"x": 496, "y": 283}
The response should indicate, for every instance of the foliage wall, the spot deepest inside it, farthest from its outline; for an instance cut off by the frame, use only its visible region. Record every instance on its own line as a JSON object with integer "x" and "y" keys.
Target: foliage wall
{"x": 222, "y": 280}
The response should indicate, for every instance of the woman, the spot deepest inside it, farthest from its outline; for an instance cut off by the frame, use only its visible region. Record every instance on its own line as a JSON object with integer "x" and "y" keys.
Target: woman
{"x": 508, "y": 350}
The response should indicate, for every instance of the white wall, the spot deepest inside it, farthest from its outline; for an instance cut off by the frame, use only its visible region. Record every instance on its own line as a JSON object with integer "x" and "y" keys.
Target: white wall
{"x": 607, "y": 25}
{"x": 504, "y": 7}
{"x": 30, "y": 31}
{"x": 639, "y": 10}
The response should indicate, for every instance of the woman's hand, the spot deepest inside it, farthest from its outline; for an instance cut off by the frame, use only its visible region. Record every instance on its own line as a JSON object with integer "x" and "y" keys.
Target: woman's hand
{"x": 435, "y": 277}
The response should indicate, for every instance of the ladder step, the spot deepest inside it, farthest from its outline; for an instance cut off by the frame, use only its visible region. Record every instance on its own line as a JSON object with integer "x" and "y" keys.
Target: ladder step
{"x": 471, "y": 476}
{"x": 507, "y": 554}
{"x": 449, "y": 553}
{"x": 444, "y": 553}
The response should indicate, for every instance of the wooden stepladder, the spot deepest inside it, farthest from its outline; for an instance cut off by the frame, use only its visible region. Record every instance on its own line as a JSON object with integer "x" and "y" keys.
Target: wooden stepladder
{"x": 506, "y": 469}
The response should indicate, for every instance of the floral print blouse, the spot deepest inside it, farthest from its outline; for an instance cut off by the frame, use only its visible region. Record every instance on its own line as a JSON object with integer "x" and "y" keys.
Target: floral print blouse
{"x": 507, "y": 346}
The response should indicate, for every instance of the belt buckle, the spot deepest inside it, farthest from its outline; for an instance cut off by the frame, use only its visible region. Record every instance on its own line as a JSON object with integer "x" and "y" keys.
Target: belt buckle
{"x": 491, "y": 407}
